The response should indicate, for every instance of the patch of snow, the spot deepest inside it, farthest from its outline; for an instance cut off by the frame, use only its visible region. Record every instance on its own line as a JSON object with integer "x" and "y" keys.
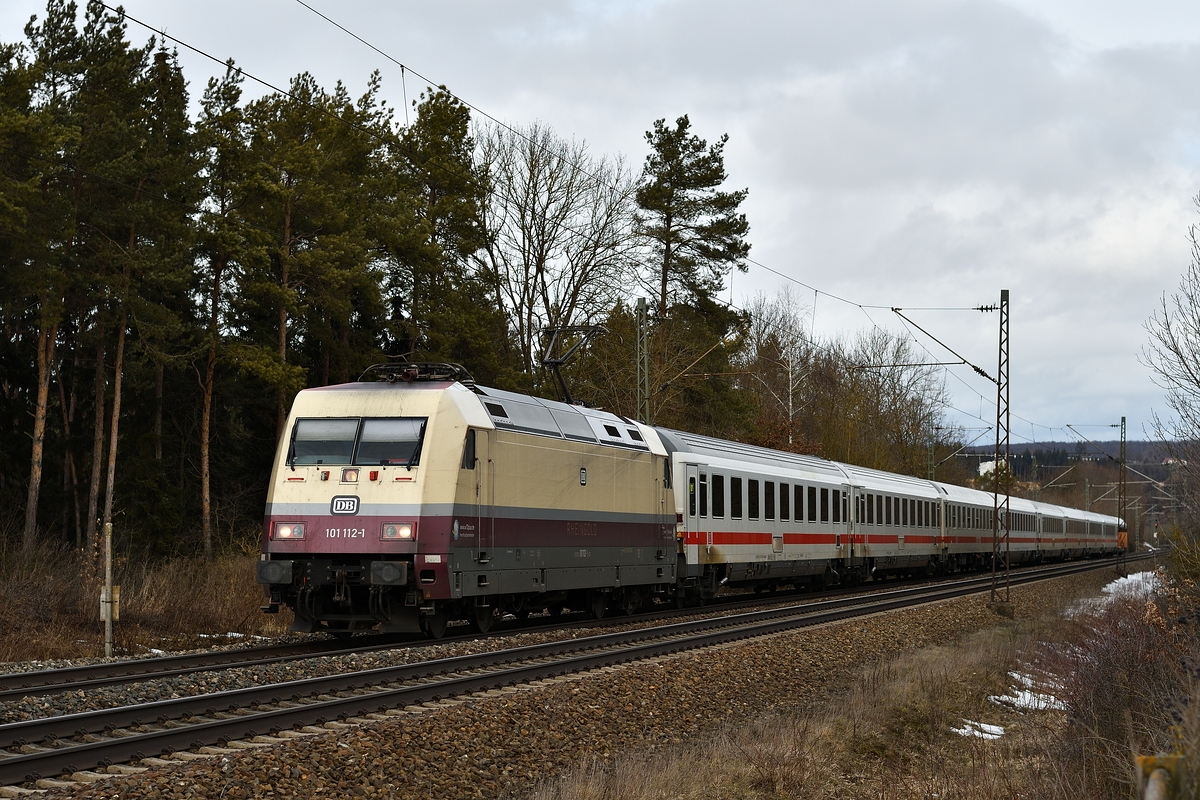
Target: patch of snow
{"x": 979, "y": 729}
{"x": 1139, "y": 586}
{"x": 1028, "y": 695}
{"x": 1024, "y": 700}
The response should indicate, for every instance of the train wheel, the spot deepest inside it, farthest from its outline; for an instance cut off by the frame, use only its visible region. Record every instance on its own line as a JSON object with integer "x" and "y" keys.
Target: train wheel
{"x": 597, "y": 604}
{"x": 631, "y": 602}
{"x": 434, "y": 624}
{"x": 481, "y": 618}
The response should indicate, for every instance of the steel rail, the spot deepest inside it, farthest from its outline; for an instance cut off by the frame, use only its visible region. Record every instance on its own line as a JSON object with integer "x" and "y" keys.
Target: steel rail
{"x": 605, "y": 649}
{"x": 53, "y": 681}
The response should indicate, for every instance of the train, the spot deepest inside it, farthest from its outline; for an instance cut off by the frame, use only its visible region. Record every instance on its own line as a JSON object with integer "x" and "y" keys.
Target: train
{"x": 413, "y": 498}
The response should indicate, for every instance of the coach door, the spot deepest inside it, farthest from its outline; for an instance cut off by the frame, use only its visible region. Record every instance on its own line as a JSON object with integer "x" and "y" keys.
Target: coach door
{"x": 848, "y": 500}
{"x": 698, "y": 523}
{"x": 691, "y": 501}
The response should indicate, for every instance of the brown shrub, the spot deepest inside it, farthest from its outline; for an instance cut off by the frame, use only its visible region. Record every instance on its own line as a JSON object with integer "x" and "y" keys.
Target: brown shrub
{"x": 51, "y": 597}
{"x": 1120, "y": 671}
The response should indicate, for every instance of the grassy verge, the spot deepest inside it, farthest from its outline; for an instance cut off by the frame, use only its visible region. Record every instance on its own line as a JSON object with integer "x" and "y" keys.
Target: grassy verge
{"x": 51, "y": 597}
{"x": 917, "y": 726}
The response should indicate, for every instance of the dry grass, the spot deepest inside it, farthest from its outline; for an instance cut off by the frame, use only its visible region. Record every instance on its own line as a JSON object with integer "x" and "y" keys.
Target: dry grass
{"x": 51, "y": 598}
{"x": 1120, "y": 672}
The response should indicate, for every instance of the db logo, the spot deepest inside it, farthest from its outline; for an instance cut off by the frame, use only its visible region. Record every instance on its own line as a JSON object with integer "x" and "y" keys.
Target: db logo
{"x": 344, "y": 505}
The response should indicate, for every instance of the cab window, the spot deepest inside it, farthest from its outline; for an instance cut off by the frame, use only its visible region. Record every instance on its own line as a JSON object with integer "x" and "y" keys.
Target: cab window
{"x": 392, "y": 441}
{"x": 323, "y": 441}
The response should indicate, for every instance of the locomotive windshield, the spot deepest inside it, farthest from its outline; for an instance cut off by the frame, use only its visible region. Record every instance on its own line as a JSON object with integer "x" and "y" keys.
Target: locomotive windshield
{"x": 390, "y": 441}
{"x": 323, "y": 441}
{"x": 395, "y": 441}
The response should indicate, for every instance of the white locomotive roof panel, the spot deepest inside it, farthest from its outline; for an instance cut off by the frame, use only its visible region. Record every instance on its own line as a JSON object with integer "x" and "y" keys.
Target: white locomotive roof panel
{"x": 536, "y": 415}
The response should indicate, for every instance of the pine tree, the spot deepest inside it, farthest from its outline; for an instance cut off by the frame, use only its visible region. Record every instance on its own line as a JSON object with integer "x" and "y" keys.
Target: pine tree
{"x": 694, "y": 231}
{"x": 222, "y": 139}
{"x": 37, "y": 125}
{"x": 695, "y": 235}
{"x": 445, "y": 312}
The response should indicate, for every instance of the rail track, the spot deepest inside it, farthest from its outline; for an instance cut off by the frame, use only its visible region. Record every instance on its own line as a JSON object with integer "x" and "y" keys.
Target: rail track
{"x": 18, "y": 685}
{"x": 64, "y": 745}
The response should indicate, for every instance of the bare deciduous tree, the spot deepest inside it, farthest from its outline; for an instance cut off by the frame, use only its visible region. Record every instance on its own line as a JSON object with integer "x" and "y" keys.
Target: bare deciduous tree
{"x": 870, "y": 401}
{"x": 1173, "y": 356}
{"x": 777, "y": 361}
{"x": 559, "y": 226}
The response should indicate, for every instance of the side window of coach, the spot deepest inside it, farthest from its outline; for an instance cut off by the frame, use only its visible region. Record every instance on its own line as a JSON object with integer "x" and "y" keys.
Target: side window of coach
{"x": 718, "y": 495}
{"x": 735, "y": 498}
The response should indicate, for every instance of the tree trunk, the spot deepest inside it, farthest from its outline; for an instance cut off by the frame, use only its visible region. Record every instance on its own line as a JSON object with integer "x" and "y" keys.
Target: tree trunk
{"x": 72, "y": 473}
{"x": 210, "y": 372}
{"x": 666, "y": 267}
{"x": 205, "y": 436}
{"x": 158, "y": 404}
{"x": 97, "y": 443}
{"x": 118, "y": 375}
{"x": 47, "y": 337}
{"x": 115, "y": 418}
{"x": 284, "y": 257}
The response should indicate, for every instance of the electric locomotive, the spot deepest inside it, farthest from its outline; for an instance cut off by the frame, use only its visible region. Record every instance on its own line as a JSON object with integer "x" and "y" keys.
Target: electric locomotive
{"x": 421, "y": 498}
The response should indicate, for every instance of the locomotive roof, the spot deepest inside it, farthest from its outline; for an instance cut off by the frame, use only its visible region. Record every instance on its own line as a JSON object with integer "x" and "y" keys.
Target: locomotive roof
{"x": 522, "y": 412}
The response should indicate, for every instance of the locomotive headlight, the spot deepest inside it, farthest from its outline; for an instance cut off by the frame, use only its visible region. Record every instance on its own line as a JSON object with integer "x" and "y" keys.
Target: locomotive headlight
{"x": 289, "y": 530}
{"x": 400, "y": 531}
{"x": 349, "y": 476}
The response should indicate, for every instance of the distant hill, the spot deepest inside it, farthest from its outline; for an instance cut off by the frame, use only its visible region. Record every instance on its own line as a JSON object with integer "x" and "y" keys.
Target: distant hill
{"x": 1137, "y": 452}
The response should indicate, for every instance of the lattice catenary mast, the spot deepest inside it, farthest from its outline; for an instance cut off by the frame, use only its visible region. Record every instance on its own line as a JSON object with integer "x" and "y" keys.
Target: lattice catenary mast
{"x": 1000, "y": 501}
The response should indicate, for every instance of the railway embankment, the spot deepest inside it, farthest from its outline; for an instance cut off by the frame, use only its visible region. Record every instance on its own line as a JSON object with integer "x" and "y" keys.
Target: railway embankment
{"x": 642, "y": 722}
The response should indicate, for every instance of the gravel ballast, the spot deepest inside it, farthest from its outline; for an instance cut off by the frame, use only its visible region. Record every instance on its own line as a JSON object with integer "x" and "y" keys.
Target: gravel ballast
{"x": 506, "y": 742}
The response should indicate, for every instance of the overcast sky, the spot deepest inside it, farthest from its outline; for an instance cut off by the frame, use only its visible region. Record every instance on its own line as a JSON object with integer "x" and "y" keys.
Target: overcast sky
{"x": 906, "y": 153}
